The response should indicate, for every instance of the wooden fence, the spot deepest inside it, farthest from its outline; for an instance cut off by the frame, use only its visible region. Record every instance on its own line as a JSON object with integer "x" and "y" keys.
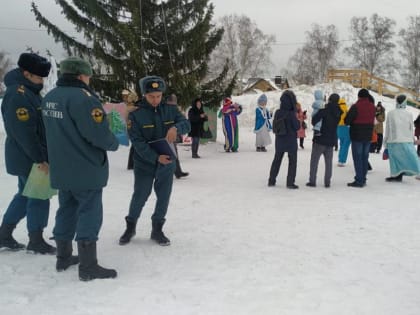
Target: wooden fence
{"x": 364, "y": 79}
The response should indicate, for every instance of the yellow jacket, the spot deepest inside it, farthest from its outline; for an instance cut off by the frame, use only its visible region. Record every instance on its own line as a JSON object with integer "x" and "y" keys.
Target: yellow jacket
{"x": 344, "y": 109}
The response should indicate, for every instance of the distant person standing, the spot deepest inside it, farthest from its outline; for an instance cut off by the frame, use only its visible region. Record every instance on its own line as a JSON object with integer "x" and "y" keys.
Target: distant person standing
{"x": 262, "y": 124}
{"x": 324, "y": 143}
{"x": 343, "y": 133}
{"x": 285, "y": 127}
{"x": 379, "y": 126}
{"x": 25, "y": 145}
{"x": 417, "y": 132}
{"x": 153, "y": 120}
{"x": 78, "y": 138}
{"x": 173, "y": 100}
{"x": 399, "y": 139}
{"x": 360, "y": 118}
{"x": 301, "y": 116}
{"x": 197, "y": 117}
{"x": 229, "y": 114}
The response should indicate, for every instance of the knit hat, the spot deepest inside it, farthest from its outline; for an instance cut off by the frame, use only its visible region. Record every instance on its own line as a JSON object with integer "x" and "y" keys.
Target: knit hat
{"x": 401, "y": 101}
{"x": 334, "y": 98}
{"x": 152, "y": 84}
{"x": 401, "y": 98}
{"x": 75, "y": 65}
{"x": 262, "y": 99}
{"x": 34, "y": 64}
{"x": 363, "y": 93}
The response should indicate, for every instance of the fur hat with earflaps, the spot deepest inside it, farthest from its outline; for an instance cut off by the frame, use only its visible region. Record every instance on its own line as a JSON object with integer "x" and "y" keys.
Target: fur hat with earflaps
{"x": 34, "y": 64}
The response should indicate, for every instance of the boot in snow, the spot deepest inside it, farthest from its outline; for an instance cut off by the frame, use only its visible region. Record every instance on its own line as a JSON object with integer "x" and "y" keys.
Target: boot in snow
{"x": 129, "y": 232}
{"x": 65, "y": 258}
{"x": 6, "y": 238}
{"x": 88, "y": 266}
{"x": 38, "y": 245}
{"x": 157, "y": 234}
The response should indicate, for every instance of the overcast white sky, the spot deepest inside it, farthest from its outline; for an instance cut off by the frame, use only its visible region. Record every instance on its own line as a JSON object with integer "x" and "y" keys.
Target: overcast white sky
{"x": 288, "y": 21}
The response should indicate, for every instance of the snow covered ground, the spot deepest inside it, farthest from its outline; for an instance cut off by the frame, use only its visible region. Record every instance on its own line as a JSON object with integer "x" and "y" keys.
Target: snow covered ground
{"x": 238, "y": 246}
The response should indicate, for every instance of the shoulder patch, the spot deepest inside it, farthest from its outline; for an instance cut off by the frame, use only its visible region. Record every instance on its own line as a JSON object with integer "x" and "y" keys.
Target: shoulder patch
{"x": 129, "y": 123}
{"x": 97, "y": 115}
{"x": 22, "y": 114}
{"x": 21, "y": 89}
{"x": 87, "y": 92}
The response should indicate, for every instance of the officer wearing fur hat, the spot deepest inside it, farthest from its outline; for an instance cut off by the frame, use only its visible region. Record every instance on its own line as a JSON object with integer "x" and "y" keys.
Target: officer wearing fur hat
{"x": 78, "y": 138}
{"x": 25, "y": 145}
{"x": 153, "y": 120}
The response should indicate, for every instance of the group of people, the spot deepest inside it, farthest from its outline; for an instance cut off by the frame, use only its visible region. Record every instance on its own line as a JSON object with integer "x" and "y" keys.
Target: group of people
{"x": 66, "y": 135}
{"x": 353, "y": 126}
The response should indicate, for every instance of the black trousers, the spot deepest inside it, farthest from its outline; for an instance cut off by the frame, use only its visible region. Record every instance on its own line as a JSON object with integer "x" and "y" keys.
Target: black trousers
{"x": 291, "y": 171}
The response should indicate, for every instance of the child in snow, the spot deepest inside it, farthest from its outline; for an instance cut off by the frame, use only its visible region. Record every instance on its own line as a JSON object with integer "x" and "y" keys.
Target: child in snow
{"x": 262, "y": 124}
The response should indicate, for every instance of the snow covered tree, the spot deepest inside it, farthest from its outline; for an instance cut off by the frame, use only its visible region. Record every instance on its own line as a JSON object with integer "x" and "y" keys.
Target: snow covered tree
{"x": 128, "y": 39}
{"x": 410, "y": 51}
{"x": 372, "y": 47}
{"x": 310, "y": 63}
{"x": 244, "y": 46}
{"x": 5, "y": 64}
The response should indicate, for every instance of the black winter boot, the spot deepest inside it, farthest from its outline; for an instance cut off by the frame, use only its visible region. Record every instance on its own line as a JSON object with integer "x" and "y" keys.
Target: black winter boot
{"x": 129, "y": 232}
{"x": 65, "y": 258}
{"x": 6, "y": 238}
{"x": 38, "y": 245}
{"x": 88, "y": 266}
{"x": 157, "y": 234}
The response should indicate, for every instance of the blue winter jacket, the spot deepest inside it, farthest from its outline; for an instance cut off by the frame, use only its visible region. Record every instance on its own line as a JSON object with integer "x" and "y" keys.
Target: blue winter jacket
{"x": 25, "y": 132}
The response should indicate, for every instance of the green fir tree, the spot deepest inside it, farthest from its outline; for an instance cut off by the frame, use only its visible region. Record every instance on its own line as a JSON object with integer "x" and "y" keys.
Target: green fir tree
{"x": 128, "y": 39}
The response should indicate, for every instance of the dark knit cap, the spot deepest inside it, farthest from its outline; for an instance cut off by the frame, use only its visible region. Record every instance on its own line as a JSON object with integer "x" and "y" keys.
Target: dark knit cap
{"x": 401, "y": 98}
{"x": 75, "y": 65}
{"x": 34, "y": 64}
{"x": 334, "y": 98}
{"x": 151, "y": 84}
{"x": 363, "y": 93}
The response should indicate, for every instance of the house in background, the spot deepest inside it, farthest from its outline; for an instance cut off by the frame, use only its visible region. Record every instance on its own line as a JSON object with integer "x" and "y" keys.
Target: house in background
{"x": 258, "y": 85}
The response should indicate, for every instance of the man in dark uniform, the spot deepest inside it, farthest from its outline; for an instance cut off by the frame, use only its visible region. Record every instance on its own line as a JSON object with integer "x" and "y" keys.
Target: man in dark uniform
{"x": 78, "y": 137}
{"x": 153, "y": 120}
{"x": 25, "y": 145}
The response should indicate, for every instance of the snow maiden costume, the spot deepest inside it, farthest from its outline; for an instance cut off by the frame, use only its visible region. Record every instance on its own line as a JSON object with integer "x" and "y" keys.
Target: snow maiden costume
{"x": 229, "y": 113}
{"x": 399, "y": 141}
{"x": 262, "y": 124}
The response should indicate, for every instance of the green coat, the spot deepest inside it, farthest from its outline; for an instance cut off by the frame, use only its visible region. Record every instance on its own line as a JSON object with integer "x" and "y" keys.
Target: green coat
{"x": 78, "y": 136}
{"x": 147, "y": 124}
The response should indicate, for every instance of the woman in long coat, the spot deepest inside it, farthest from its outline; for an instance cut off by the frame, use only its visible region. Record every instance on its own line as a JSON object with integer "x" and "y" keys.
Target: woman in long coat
{"x": 229, "y": 113}
{"x": 287, "y": 140}
{"x": 399, "y": 140}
